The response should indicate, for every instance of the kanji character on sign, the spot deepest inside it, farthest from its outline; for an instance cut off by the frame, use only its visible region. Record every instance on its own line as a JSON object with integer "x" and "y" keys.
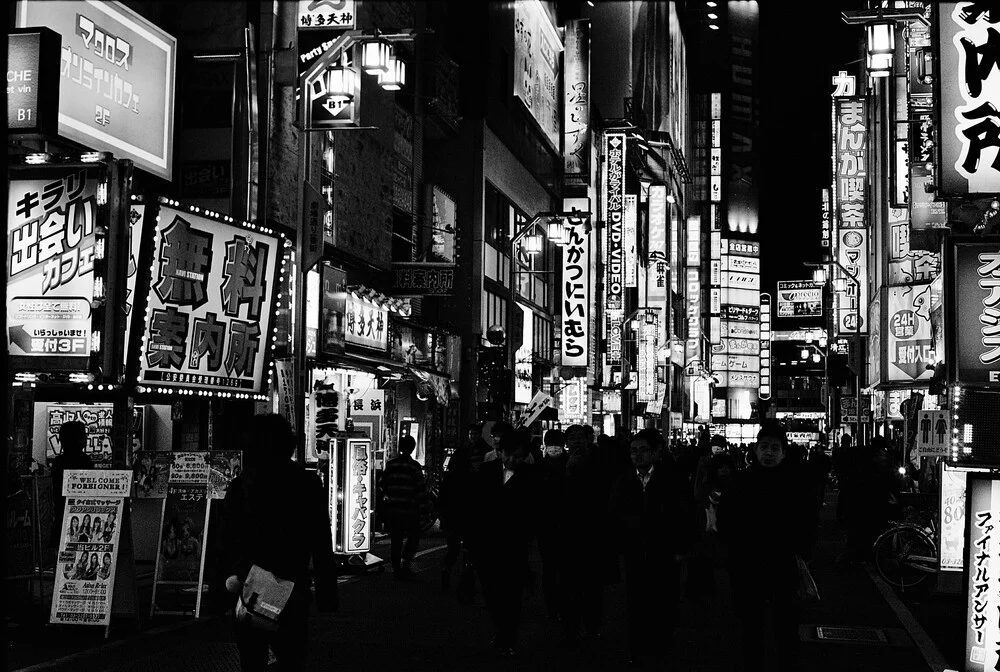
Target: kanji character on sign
{"x": 185, "y": 262}
{"x": 207, "y": 339}
{"x": 167, "y": 339}
{"x": 244, "y": 342}
{"x": 244, "y": 273}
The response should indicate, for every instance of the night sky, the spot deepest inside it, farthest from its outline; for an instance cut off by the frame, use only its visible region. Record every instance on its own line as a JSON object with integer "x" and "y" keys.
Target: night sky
{"x": 802, "y": 46}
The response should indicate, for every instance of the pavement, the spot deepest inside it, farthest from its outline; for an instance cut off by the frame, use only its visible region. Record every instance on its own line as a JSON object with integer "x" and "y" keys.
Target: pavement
{"x": 384, "y": 624}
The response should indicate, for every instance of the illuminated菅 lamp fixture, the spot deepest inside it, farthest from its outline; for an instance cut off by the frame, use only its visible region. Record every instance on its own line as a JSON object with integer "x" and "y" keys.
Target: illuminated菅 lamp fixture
{"x": 881, "y": 45}
{"x": 555, "y": 231}
{"x": 342, "y": 84}
{"x": 375, "y": 56}
{"x": 395, "y": 77}
{"x": 532, "y": 244}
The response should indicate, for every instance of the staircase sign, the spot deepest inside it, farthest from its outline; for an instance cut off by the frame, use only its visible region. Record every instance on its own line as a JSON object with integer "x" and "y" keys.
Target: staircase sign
{"x": 933, "y": 433}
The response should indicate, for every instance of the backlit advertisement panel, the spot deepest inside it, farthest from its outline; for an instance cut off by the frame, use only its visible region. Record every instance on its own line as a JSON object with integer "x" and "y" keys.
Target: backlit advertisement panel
{"x": 850, "y": 183}
{"x": 537, "y": 55}
{"x": 576, "y": 111}
{"x": 210, "y": 308}
{"x": 117, "y": 74}
{"x": 852, "y": 253}
{"x": 908, "y": 333}
{"x": 614, "y": 194}
{"x": 982, "y": 559}
{"x": 576, "y": 294}
{"x": 799, "y": 298}
{"x": 976, "y": 306}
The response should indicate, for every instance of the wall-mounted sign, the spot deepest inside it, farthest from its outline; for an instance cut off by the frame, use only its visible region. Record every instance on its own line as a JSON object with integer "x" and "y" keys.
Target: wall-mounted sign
{"x": 975, "y": 309}
{"x": 850, "y": 184}
{"x": 740, "y": 264}
{"x": 117, "y": 72}
{"x": 908, "y": 333}
{"x": 765, "y": 346}
{"x": 742, "y": 248}
{"x": 97, "y": 419}
{"x": 442, "y": 227}
{"x": 333, "y": 309}
{"x": 537, "y": 51}
{"x": 317, "y": 14}
{"x": 735, "y": 313}
{"x": 416, "y": 278}
{"x": 926, "y": 210}
{"x": 645, "y": 365}
{"x": 799, "y": 298}
{"x": 852, "y": 253}
{"x": 33, "y": 81}
{"x": 629, "y": 240}
{"x": 951, "y": 518}
{"x": 367, "y": 324}
{"x": 613, "y": 185}
{"x": 210, "y": 308}
{"x": 982, "y": 559}
{"x": 970, "y": 99}
{"x": 933, "y": 433}
{"x": 58, "y": 219}
{"x": 825, "y": 215}
{"x": 575, "y": 327}
{"x": 576, "y": 99}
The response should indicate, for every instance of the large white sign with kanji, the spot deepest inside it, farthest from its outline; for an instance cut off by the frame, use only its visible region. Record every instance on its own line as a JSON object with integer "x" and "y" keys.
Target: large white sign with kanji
{"x": 210, "y": 308}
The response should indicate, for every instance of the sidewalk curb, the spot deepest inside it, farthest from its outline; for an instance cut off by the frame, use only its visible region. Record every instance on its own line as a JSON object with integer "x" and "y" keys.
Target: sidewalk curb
{"x": 928, "y": 649}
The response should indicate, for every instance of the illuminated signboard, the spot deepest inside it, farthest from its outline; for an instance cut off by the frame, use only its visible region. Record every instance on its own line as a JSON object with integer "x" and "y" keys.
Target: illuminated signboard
{"x": 908, "y": 333}
{"x": 973, "y": 332}
{"x": 646, "y": 335}
{"x": 537, "y": 55}
{"x": 630, "y": 257}
{"x": 982, "y": 559}
{"x": 209, "y": 318}
{"x": 825, "y": 219}
{"x": 576, "y": 294}
{"x": 799, "y": 298}
{"x": 850, "y": 184}
{"x": 367, "y": 324}
{"x": 576, "y": 98}
{"x": 765, "y": 346}
{"x": 355, "y": 535}
{"x": 32, "y": 80}
{"x": 116, "y": 89}
{"x": 970, "y": 99}
{"x": 59, "y": 216}
{"x": 614, "y": 203}
{"x": 313, "y": 15}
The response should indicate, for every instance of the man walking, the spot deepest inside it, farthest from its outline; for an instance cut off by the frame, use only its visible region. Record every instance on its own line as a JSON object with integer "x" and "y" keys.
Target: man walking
{"x": 405, "y": 495}
{"x": 651, "y": 506}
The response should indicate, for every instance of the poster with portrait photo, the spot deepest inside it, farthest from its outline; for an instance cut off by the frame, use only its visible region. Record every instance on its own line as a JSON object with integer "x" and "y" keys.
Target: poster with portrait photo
{"x": 180, "y": 559}
{"x": 223, "y": 467}
{"x": 86, "y": 561}
{"x": 151, "y": 471}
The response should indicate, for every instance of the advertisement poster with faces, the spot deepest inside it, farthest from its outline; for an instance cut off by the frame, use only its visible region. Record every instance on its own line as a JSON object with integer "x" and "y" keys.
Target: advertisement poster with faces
{"x": 209, "y": 316}
{"x": 180, "y": 560}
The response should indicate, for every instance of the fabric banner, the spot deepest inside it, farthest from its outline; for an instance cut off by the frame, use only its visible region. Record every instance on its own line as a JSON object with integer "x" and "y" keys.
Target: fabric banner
{"x": 86, "y": 561}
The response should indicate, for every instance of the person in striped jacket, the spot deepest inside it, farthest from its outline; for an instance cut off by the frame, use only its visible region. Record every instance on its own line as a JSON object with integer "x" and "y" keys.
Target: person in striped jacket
{"x": 405, "y": 495}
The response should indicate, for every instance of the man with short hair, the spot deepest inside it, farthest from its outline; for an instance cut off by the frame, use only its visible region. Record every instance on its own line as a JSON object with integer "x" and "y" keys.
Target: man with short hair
{"x": 651, "y": 508}
{"x": 72, "y": 442}
{"x": 405, "y": 494}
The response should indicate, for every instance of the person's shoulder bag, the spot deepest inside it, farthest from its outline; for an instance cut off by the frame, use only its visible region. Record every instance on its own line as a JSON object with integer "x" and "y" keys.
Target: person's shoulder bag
{"x": 264, "y": 596}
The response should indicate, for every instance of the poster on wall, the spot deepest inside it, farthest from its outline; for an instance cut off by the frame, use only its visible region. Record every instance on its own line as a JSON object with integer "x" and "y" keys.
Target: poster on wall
{"x": 180, "y": 561}
{"x": 88, "y": 546}
{"x": 223, "y": 467}
{"x": 96, "y": 417}
{"x": 210, "y": 307}
{"x": 117, "y": 79}
{"x": 982, "y": 558}
{"x": 151, "y": 472}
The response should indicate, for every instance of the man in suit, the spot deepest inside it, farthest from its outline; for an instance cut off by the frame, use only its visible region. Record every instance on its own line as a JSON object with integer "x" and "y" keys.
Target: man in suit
{"x": 651, "y": 512}
{"x": 501, "y": 538}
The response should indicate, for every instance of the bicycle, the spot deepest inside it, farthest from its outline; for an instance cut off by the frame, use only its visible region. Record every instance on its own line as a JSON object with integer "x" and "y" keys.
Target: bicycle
{"x": 906, "y": 554}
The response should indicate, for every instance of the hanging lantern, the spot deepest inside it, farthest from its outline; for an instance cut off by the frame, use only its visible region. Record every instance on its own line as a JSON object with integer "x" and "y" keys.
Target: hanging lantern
{"x": 375, "y": 56}
{"x": 341, "y": 83}
{"x": 533, "y": 244}
{"x": 395, "y": 77}
{"x": 881, "y": 47}
{"x": 555, "y": 230}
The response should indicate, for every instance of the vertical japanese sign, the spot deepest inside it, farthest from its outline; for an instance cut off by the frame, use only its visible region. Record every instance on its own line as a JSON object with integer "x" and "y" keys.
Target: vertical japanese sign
{"x": 576, "y": 110}
{"x": 210, "y": 309}
{"x": 88, "y": 546}
{"x": 925, "y": 211}
{"x": 180, "y": 562}
{"x": 117, "y": 74}
{"x": 629, "y": 256}
{"x": 135, "y": 223}
{"x": 715, "y": 155}
{"x": 850, "y": 183}
{"x": 765, "y": 346}
{"x": 970, "y": 98}
{"x": 355, "y": 534}
{"x": 951, "y": 518}
{"x": 443, "y": 227}
{"x": 52, "y": 217}
{"x": 656, "y": 277}
{"x": 537, "y": 51}
{"x": 645, "y": 364}
{"x": 576, "y": 294}
{"x": 367, "y": 324}
{"x": 982, "y": 561}
{"x": 613, "y": 186}
{"x": 910, "y": 342}
{"x": 975, "y": 321}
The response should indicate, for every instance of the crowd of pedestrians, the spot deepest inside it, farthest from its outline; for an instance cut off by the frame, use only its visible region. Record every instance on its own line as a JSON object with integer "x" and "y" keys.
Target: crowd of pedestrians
{"x": 677, "y": 513}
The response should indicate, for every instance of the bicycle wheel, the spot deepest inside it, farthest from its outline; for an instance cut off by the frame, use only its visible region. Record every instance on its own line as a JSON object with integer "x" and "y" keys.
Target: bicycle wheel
{"x": 894, "y": 551}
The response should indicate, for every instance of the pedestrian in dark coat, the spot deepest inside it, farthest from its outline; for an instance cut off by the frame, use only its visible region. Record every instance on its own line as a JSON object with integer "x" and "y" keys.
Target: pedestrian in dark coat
{"x": 768, "y": 517}
{"x": 652, "y": 516}
{"x": 275, "y": 516}
{"x": 708, "y": 551}
{"x": 405, "y": 498}
{"x": 584, "y": 521}
{"x": 72, "y": 442}
{"x": 454, "y": 499}
{"x": 506, "y": 510}
{"x": 551, "y": 533}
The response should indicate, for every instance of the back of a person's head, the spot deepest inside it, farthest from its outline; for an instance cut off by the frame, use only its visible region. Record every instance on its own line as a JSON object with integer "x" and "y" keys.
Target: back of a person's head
{"x": 270, "y": 438}
{"x": 512, "y": 441}
{"x": 554, "y": 437}
{"x": 650, "y": 435}
{"x": 73, "y": 437}
{"x": 407, "y": 444}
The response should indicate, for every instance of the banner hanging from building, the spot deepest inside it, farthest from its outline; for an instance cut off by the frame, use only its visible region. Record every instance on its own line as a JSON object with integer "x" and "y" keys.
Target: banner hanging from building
{"x": 969, "y": 91}
{"x": 909, "y": 339}
{"x": 576, "y": 294}
{"x": 975, "y": 308}
{"x": 537, "y": 55}
{"x": 850, "y": 183}
{"x": 116, "y": 89}
{"x": 576, "y": 99}
{"x": 210, "y": 308}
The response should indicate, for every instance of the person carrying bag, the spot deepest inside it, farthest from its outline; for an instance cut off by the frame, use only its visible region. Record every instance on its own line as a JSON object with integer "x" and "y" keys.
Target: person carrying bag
{"x": 275, "y": 522}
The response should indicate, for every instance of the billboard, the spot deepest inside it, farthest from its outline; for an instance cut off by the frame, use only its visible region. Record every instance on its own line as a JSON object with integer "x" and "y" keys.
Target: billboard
{"x": 800, "y": 298}
{"x": 969, "y": 95}
{"x": 537, "y": 55}
{"x": 975, "y": 304}
{"x": 209, "y": 318}
{"x": 908, "y": 333}
{"x": 117, "y": 72}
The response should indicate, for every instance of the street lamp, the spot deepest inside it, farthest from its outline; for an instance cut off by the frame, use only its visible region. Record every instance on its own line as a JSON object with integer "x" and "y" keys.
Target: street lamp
{"x": 822, "y": 266}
